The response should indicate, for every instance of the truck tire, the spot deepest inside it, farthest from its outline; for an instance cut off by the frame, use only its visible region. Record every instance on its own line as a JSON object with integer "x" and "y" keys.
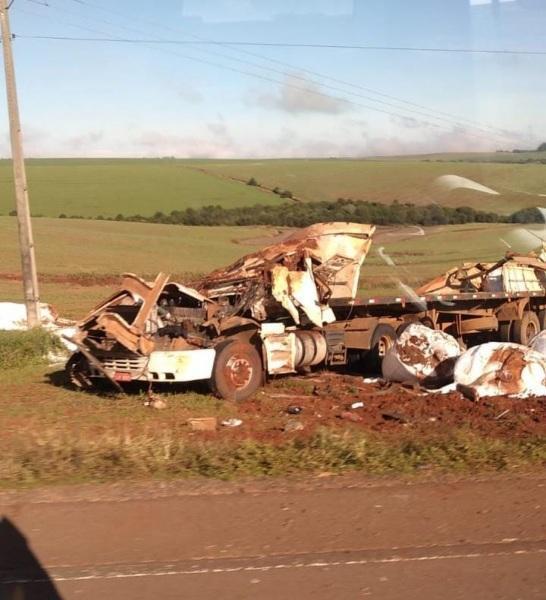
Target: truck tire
{"x": 525, "y": 329}
{"x": 77, "y": 371}
{"x": 237, "y": 372}
{"x": 542, "y": 319}
{"x": 505, "y": 331}
{"x": 383, "y": 338}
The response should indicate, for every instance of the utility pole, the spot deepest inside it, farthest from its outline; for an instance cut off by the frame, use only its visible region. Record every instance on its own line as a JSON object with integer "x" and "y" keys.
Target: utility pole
{"x": 26, "y": 241}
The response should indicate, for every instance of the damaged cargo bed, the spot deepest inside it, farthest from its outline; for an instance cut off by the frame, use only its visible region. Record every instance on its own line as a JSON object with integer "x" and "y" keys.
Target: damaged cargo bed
{"x": 291, "y": 307}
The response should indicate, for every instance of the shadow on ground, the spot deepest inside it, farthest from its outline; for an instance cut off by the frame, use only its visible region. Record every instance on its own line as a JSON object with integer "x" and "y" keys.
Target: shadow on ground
{"x": 22, "y": 577}
{"x": 104, "y": 388}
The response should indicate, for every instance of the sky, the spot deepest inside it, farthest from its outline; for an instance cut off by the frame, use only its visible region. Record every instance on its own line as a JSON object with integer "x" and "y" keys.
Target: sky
{"x": 95, "y": 99}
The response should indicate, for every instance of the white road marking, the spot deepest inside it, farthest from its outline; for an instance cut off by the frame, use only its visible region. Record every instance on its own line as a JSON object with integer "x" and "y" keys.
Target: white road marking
{"x": 287, "y": 566}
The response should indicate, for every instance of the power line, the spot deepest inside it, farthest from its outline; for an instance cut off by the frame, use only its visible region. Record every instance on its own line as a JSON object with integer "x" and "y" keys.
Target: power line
{"x": 483, "y": 127}
{"x": 292, "y": 44}
{"x": 430, "y": 112}
{"x": 307, "y": 81}
{"x": 291, "y": 75}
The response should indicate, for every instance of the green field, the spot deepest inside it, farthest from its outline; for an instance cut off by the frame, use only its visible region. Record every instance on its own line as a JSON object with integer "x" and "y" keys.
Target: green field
{"x": 405, "y": 180}
{"x": 107, "y": 187}
{"x": 479, "y": 157}
{"x": 80, "y": 261}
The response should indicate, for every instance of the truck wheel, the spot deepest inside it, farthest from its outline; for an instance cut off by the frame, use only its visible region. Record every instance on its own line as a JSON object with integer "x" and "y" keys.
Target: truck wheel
{"x": 542, "y": 319}
{"x": 77, "y": 371}
{"x": 525, "y": 329}
{"x": 237, "y": 371}
{"x": 505, "y": 331}
{"x": 383, "y": 339}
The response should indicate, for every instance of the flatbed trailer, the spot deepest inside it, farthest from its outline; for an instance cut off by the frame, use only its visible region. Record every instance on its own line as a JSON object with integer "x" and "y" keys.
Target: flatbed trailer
{"x": 282, "y": 311}
{"x": 372, "y": 324}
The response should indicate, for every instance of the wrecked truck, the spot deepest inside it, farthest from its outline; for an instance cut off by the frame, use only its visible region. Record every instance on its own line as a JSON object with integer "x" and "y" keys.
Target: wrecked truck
{"x": 290, "y": 307}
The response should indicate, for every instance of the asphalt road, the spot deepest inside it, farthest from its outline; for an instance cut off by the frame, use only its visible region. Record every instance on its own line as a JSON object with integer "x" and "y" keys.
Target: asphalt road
{"x": 339, "y": 538}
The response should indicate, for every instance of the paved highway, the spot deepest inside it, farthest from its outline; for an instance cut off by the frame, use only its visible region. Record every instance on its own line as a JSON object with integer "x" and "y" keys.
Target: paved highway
{"x": 323, "y": 538}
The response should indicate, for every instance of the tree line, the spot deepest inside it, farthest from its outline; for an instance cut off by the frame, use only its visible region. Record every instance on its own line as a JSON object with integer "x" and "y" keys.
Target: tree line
{"x": 304, "y": 214}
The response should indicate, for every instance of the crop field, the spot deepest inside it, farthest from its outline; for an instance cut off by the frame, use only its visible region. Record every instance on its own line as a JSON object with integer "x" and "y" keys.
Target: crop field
{"x": 108, "y": 187}
{"x": 479, "y": 157}
{"x": 404, "y": 180}
{"x": 80, "y": 261}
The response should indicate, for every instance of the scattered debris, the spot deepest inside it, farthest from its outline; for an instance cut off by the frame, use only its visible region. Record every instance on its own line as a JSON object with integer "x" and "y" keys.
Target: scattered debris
{"x": 347, "y": 415}
{"x": 294, "y": 410}
{"x": 155, "y": 402}
{"x": 500, "y": 415}
{"x": 355, "y": 405}
{"x": 203, "y": 423}
{"x": 293, "y": 425}
{"x": 232, "y": 422}
{"x": 501, "y": 369}
{"x": 392, "y": 416}
{"x": 421, "y": 355}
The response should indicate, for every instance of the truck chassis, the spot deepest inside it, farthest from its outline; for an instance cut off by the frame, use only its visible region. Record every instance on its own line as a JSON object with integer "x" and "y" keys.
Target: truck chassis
{"x": 289, "y": 308}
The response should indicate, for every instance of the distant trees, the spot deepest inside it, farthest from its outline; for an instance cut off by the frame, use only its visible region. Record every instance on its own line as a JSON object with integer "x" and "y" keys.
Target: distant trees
{"x": 301, "y": 214}
{"x": 542, "y": 147}
{"x": 527, "y": 215}
{"x": 252, "y": 181}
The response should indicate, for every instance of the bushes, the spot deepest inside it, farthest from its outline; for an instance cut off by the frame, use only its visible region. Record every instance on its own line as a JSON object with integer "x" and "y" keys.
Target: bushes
{"x": 527, "y": 215}
{"x": 302, "y": 214}
{"x": 21, "y": 348}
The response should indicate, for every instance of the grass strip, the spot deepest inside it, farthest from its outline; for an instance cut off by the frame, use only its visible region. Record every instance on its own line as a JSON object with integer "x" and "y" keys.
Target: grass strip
{"x": 21, "y": 348}
{"x": 54, "y": 457}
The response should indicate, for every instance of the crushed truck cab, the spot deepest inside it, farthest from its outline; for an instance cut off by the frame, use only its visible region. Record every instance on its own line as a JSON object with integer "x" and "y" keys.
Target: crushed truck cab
{"x": 266, "y": 313}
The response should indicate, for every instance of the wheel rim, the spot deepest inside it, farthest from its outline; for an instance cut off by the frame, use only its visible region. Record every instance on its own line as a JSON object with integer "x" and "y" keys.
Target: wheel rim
{"x": 383, "y": 345}
{"x": 530, "y": 330}
{"x": 239, "y": 371}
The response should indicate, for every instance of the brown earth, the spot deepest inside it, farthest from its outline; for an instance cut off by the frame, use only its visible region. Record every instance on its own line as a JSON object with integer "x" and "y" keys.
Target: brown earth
{"x": 286, "y": 408}
{"x": 325, "y": 399}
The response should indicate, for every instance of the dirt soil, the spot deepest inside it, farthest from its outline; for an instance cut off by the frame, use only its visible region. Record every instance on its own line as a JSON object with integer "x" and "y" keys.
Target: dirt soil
{"x": 326, "y": 399}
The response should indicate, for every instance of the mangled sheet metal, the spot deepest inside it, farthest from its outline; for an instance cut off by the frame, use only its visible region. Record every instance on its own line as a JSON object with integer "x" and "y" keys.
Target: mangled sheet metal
{"x": 292, "y": 282}
{"x": 501, "y": 369}
{"x": 512, "y": 274}
{"x": 301, "y": 274}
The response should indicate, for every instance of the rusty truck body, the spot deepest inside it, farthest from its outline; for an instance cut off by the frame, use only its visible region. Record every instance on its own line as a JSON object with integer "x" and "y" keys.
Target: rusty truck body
{"x": 293, "y": 306}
